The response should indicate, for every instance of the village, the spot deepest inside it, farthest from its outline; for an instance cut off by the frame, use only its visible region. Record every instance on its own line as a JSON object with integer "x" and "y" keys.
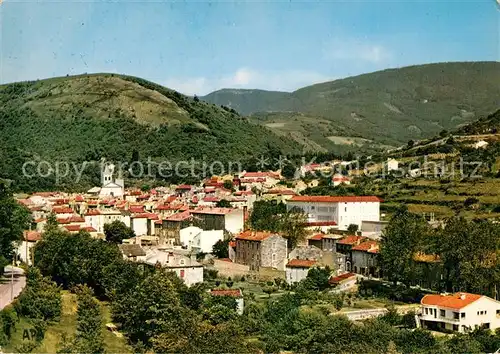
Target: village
{"x": 179, "y": 227}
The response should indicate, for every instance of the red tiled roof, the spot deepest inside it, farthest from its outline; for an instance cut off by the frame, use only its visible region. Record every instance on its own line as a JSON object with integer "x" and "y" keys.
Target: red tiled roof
{"x": 72, "y": 227}
{"x": 25, "y": 202}
{"x": 79, "y": 198}
{"x": 39, "y": 220}
{"x": 351, "y": 240}
{"x": 184, "y": 187}
{"x": 334, "y": 199}
{"x": 226, "y": 292}
{"x": 92, "y": 212}
{"x": 63, "y": 220}
{"x": 317, "y": 237}
{"x": 211, "y": 199}
{"x": 32, "y": 236}
{"x": 171, "y": 198}
{"x": 88, "y": 229}
{"x": 301, "y": 263}
{"x": 62, "y": 210}
{"x": 61, "y": 201}
{"x": 76, "y": 218}
{"x": 150, "y": 216}
{"x": 35, "y": 208}
{"x": 254, "y": 235}
{"x": 158, "y": 222}
{"x": 213, "y": 211}
{"x": 232, "y": 244}
{"x": 455, "y": 301}
{"x": 370, "y": 246}
{"x": 341, "y": 277}
{"x": 321, "y": 223}
{"x": 136, "y": 208}
{"x": 179, "y": 216}
{"x": 226, "y": 260}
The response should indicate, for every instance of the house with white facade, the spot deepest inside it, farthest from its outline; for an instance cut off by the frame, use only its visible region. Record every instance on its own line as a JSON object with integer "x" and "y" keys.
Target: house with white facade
{"x": 343, "y": 210}
{"x": 297, "y": 269}
{"x": 185, "y": 266}
{"x": 230, "y": 219}
{"x": 199, "y": 240}
{"x": 460, "y": 312}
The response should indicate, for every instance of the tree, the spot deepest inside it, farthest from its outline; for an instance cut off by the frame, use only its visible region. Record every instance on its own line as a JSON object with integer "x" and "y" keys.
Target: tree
{"x": 400, "y": 241}
{"x": 223, "y": 203}
{"x": 317, "y": 278}
{"x": 228, "y": 184}
{"x": 292, "y": 225}
{"x": 288, "y": 171}
{"x": 14, "y": 219}
{"x": 117, "y": 231}
{"x": 352, "y": 228}
{"x": 152, "y": 308}
{"x": 266, "y": 215}
{"x": 221, "y": 249}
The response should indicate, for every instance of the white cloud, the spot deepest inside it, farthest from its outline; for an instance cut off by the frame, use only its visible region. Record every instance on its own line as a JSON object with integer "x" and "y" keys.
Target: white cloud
{"x": 287, "y": 80}
{"x": 357, "y": 50}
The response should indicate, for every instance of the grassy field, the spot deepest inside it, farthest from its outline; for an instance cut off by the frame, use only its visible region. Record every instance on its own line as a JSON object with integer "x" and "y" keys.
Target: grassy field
{"x": 65, "y": 329}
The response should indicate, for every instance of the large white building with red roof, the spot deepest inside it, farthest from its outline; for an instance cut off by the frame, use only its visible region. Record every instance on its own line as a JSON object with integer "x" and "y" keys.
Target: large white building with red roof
{"x": 343, "y": 210}
{"x": 460, "y": 312}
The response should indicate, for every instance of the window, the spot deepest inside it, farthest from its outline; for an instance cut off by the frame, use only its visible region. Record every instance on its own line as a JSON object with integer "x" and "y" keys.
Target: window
{"x": 182, "y": 273}
{"x": 442, "y": 313}
{"x": 462, "y": 315}
{"x": 455, "y": 327}
{"x": 426, "y": 311}
{"x": 456, "y": 315}
{"x": 498, "y": 312}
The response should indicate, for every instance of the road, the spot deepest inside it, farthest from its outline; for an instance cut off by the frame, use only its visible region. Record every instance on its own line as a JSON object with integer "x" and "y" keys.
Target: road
{"x": 6, "y": 285}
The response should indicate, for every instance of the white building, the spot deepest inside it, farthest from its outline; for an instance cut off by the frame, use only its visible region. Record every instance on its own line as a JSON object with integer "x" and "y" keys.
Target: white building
{"x": 343, "y": 210}
{"x": 98, "y": 218}
{"x": 111, "y": 187}
{"x": 200, "y": 240}
{"x": 297, "y": 269}
{"x": 230, "y": 219}
{"x": 481, "y": 144}
{"x": 459, "y": 312}
{"x": 185, "y": 266}
{"x": 392, "y": 165}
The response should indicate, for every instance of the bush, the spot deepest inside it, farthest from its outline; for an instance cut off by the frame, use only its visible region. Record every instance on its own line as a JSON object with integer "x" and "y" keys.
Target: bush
{"x": 9, "y": 319}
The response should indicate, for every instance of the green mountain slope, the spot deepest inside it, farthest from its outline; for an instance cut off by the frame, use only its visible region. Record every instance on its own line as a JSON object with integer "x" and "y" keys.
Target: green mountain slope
{"x": 120, "y": 118}
{"x": 246, "y": 102}
{"x": 389, "y": 107}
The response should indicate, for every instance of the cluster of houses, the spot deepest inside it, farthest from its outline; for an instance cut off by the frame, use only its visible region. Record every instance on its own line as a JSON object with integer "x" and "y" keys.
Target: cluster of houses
{"x": 175, "y": 225}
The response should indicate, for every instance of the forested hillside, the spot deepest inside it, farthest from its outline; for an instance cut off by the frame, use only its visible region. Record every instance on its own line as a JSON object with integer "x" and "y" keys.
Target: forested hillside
{"x": 120, "y": 118}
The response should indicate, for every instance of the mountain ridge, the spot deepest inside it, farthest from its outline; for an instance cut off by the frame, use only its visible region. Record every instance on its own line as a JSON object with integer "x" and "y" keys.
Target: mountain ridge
{"x": 390, "y": 106}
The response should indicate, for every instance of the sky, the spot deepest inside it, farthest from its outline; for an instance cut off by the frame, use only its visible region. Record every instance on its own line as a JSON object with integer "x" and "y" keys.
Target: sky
{"x": 197, "y": 47}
